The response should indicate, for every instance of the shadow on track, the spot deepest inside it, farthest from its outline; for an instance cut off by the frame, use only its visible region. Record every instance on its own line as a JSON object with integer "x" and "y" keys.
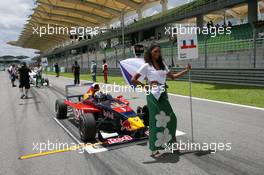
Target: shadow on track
{"x": 175, "y": 157}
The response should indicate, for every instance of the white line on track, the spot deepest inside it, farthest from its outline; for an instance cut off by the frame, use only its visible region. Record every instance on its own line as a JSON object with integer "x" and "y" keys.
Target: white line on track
{"x": 91, "y": 149}
{"x": 68, "y": 132}
{"x": 220, "y": 102}
{"x": 179, "y": 133}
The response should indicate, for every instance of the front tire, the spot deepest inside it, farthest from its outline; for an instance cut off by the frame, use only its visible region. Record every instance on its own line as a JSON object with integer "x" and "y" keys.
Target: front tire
{"x": 87, "y": 127}
{"x": 145, "y": 115}
{"x": 61, "y": 109}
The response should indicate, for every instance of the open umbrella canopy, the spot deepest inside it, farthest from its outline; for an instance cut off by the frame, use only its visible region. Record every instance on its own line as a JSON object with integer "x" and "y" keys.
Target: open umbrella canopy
{"x": 129, "y": 67}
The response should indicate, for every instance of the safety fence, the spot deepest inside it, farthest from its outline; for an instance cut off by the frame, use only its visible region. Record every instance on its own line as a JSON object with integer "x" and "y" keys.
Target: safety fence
{"x": 242, "y": 49}
{"x": 250, "y": 77}
{"x": 238, "y": 54}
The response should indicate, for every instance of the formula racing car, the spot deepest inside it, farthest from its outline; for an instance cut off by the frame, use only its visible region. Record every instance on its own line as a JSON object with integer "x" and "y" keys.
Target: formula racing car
{"x": 100, "y": 116}
{"x": 33, "y": 79}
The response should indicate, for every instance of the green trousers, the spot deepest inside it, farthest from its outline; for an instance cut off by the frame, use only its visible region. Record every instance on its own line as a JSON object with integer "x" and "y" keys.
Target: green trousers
{"x": 162, "y": 122}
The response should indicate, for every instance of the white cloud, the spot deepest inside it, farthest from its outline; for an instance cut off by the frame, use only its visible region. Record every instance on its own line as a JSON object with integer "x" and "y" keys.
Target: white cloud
{"x": 13, "y": 16}
{"x": 175, "y": 3}
{"x": 157, "y": 8}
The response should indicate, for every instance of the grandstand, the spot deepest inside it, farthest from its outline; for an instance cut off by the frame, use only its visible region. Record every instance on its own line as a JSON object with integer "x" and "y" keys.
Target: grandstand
{"x": 9, "y": 59}
{"x": 242, "y": 49}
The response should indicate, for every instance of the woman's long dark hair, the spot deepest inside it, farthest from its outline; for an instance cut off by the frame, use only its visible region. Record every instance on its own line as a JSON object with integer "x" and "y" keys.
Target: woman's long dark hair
{"x": 148, "y": 57}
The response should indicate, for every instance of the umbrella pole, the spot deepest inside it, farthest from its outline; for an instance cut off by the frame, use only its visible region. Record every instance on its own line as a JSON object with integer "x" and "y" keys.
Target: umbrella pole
{"x": 191, "y": 110}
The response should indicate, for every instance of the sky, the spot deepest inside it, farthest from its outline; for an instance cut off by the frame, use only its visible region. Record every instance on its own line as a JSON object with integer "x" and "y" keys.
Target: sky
{"x": 13, "y": 16}
{"x": 158, "y": 8}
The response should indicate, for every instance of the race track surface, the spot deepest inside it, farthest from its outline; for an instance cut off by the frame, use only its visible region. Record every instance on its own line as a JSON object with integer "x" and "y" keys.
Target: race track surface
{"x": 24, "y": 122}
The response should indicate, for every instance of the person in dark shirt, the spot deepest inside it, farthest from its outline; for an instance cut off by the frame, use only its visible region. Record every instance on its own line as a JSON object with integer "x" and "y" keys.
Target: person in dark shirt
{"x": 93, "y": 70}
{"x": 229, "y": 24}
{"x": 57, "y": 70}
{"x": 24, "y": 80}
{"x": 76, "y": 71}
{"x": 211, "y": 24}
{"x": 208, "y": 25}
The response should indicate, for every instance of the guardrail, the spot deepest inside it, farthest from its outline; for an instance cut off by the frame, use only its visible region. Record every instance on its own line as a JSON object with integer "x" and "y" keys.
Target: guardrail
{"x": 250, "y": 77}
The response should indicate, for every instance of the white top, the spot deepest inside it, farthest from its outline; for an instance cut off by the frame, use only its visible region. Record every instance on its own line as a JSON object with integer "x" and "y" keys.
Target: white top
{"x": 12, "y": 70}
{"x": 152, "y": 74}
{"x": 39, "y": 70}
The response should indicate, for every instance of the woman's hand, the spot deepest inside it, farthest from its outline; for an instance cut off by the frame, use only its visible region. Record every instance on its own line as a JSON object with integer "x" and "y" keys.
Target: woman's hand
{"x": 189, "y": 67}
{"x": 135, "y": 78}
{"x": 179, "y": 74}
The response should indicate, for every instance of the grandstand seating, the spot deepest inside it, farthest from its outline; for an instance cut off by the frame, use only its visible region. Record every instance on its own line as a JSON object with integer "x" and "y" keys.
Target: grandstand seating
{"x": 239, "y": 39}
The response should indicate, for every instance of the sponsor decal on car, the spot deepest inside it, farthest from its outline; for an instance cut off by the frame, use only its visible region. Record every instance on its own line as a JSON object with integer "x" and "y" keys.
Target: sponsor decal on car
{"x": 125, "y": 125}
{"x": 119, "y": 140}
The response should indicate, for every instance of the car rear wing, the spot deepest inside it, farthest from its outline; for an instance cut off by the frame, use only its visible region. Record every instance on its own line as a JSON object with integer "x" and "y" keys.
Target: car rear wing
{"x": 70, "y": 95}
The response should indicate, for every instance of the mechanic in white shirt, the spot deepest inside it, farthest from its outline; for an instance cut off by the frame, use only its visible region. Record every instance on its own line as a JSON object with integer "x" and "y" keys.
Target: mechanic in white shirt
{"x": 39, "y": 70}
{"x": 12, "y": 70}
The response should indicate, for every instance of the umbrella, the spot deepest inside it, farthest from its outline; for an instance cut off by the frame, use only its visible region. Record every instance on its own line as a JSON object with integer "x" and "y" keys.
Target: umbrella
{"x": 129, "y": 68}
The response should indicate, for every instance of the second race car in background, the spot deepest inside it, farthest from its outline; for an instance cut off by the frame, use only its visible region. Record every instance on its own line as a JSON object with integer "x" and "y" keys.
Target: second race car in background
{"x": 33, "y": 79}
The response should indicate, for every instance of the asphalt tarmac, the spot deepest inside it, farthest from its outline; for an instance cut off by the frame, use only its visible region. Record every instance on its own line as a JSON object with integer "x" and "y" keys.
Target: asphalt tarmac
{"x": 28, "y": 122}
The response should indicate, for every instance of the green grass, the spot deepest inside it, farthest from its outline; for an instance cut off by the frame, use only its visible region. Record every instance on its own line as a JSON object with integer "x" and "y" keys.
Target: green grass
{"x": 246, "y": 95}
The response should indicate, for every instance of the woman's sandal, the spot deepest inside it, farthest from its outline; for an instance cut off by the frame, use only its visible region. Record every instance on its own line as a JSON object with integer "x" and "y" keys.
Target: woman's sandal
{"x": 156, "y": 154}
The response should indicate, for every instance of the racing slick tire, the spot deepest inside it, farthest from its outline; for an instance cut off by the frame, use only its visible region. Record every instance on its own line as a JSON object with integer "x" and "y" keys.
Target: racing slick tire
{"x": 47, "y": 82}
{"x": 44, "y": 80}
{"x": 145, "y": 115}
{"x": 61, "y": 109}
{"x": 87, "y": 127}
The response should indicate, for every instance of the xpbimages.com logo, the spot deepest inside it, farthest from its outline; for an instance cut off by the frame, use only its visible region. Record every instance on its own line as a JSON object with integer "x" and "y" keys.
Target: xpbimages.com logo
{"x": 183, "y": 30}
{"x": 59, "y": 30}
{"x": 190, "y": 146}
{"x": 58, "y": 146}
{"x": 123, "y": 88}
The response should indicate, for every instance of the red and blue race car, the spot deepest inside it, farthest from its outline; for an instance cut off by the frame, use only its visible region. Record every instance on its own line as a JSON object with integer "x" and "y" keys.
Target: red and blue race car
{"x": 99, "y": 115}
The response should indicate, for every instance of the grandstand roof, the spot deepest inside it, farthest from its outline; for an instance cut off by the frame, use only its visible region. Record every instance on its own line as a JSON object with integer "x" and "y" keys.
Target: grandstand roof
{"x": 71, "y": 13}
{"x": 85, "y": 13}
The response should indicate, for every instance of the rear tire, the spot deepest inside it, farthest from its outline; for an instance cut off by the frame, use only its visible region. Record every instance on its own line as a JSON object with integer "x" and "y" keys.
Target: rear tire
{"x": 47, "y": 81}
{"x": 60, "y": 109}
{"x": 145, "y": 115}
{"x": 87, "y": 127}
